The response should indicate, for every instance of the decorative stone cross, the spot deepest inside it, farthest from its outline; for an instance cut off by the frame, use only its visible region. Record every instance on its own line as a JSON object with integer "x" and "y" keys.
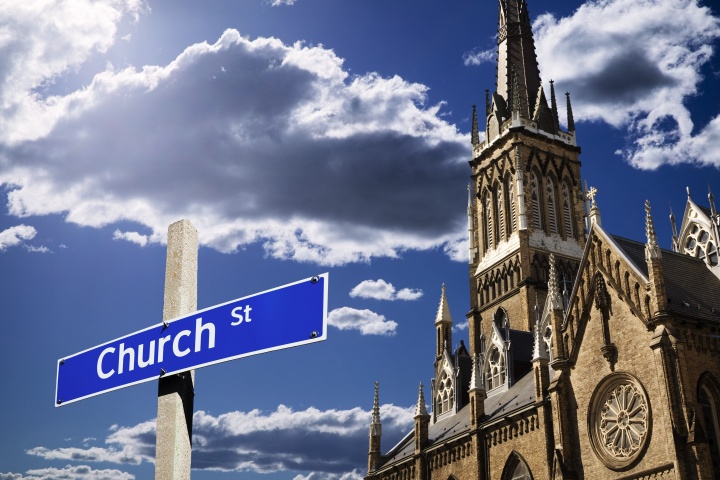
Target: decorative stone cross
{"x": 591, "y": 195}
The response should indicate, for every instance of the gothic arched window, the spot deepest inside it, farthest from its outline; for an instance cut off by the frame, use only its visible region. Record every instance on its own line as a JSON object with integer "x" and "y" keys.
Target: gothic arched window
{"x": 511, "y": 204}
{"x": 445, "y": 394}
{"x": 535, "y": 201}
{"x": 708, "y": 401}
{"x": 567, "y": 211}
{"x": 551, "y": 210}
{"x": 500, "y": 202}
{"x": 495, "y": 368}
{"x": 489, "y": 227}
{"x": 516, "y": 468}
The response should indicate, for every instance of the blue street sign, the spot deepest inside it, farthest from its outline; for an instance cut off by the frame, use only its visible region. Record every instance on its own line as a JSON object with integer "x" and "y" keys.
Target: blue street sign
{"x": 286, "y": 316}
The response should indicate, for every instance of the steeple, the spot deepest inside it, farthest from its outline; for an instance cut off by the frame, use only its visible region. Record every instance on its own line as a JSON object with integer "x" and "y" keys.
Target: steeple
{"x": 516, "y": 57}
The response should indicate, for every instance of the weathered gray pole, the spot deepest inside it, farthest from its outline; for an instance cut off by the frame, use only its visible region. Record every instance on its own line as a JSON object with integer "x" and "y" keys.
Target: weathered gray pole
{"x": 173, "y": 443}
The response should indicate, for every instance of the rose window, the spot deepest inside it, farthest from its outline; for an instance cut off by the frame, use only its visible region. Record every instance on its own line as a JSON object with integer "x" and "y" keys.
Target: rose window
{"x": 619, "y": 420}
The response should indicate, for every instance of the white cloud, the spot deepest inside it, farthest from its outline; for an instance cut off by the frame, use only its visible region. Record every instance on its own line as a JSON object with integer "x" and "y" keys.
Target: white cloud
{"x": 16, "y": 236}
{"x": 254, "y": 141}
{"x": 366, "y": 321}
{"x": 634, "y": 64}
{"x": 382, "y": 290}
{"x": 327, "y": 444}
{"x": 41, "y": 40}
{"x": 478, "y": 57}
{"x": 277, "y": 3}
{"x": 133, "y": 237}
{"x": 77, "y": 472}
{"x": 353, "y": 475}
{"x": 462, "y": 326}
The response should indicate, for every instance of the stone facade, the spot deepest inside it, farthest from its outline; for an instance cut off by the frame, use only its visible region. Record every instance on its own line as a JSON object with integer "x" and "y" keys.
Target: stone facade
{"x": 590, "y": 356}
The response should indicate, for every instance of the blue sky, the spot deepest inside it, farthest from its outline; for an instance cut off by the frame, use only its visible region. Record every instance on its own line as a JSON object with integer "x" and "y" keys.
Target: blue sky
{"x": 299, "y": 138}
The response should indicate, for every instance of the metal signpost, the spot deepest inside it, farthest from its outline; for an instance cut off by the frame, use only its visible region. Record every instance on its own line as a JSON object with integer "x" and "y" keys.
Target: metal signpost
{"x": 286, "y": 316}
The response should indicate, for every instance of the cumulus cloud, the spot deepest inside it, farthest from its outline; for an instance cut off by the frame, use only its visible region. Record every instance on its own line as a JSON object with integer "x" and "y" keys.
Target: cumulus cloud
{"x": 327, "y": 444}
{"x": 366, "y": 321}
{"x": 476, "y": 56}
{"x": 77, "y": 472}
{"x": 133, "y": 237}
{"x": 634, "y": 64}
{"x": 16, "y": 236}
{"x": 382, "y": 290}
{"x": 254, "y": 141}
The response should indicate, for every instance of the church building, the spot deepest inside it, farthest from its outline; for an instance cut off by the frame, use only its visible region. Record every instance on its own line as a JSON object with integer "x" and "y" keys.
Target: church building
{"x": 590, "y": 356}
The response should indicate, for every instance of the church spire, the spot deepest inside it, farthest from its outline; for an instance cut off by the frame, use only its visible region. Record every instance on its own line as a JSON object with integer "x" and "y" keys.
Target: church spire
{"x": 516, "y": 57}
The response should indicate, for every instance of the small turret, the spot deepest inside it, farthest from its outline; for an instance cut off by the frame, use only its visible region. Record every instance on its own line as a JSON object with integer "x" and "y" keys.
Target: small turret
{"x": 443, "y": 326}
{"x": 422, "y": 422}
{"x": 477, "y": 392}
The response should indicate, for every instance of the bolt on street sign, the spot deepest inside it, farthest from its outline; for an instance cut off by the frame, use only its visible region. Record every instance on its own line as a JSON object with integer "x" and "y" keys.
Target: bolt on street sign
{"x": 287, "y": 316}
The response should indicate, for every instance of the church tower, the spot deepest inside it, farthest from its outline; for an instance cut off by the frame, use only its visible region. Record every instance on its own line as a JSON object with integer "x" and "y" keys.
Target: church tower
{"x": 527, "y": 200}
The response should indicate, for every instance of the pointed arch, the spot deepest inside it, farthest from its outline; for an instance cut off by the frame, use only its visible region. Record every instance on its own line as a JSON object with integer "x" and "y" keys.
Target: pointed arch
{"x": 512, "y": 215}
{"x": 551, "y": 205}
{"x": 516, "y": 468}
{"x": 708, "y": 396}
{"x": 567, "y": 211}
{"x": 488, "y": 223}
{"x": 500, "y": 205}
{"x": 535, "y": 200}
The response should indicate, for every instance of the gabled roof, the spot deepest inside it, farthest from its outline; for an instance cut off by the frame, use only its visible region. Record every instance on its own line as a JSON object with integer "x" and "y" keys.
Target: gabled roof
{"x": 692, "y": 289}
{"x": 517, "y": 397}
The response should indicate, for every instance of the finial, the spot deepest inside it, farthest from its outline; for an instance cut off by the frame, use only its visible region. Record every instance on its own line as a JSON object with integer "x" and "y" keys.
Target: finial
{"x": 570, "y": 120}
{"x": 539, "y": 347}
{"x": 476, "y": 381}
{"x": 443, "y": 313}
{"x": 652, "y": 250}
{"x": 488, "y": 106}
{"x": 553, "y": 288}
{"x": 553, "y": 106}
{"x": 711, "y": 199}
{"x": 594, "y": 213}
{"x": 375, "y": 427}
{"x": 565, "y": 294}
{"x": 537, "y": 309}
{"x": 420, "y": 408}
{"x": 475, "y": 135}
{"x": 687, "y": 189}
